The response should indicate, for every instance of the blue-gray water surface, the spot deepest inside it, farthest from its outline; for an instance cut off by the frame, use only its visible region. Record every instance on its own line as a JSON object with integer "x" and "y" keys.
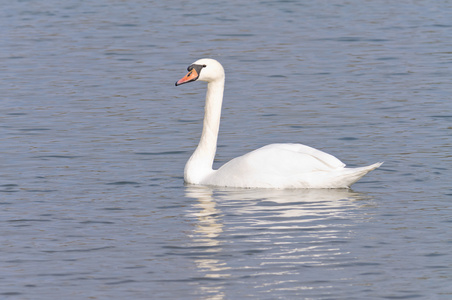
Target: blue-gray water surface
{"x": 94, "y": 138}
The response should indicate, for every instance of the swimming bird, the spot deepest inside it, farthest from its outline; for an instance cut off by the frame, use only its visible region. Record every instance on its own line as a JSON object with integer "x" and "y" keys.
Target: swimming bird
{"x": 273, "y": 166}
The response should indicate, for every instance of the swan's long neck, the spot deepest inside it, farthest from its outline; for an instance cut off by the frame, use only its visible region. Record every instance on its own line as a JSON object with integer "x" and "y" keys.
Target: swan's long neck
{"x": 200, "y": 163}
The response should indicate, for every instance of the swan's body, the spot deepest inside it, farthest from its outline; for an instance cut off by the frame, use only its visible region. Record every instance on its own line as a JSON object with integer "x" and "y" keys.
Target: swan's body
{"x": 272, "y": 166}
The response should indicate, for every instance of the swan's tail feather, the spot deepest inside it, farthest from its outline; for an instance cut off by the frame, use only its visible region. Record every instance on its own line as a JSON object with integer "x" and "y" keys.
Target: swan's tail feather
{"x": 352, "y": 175}
{"x": 337, "y": 179}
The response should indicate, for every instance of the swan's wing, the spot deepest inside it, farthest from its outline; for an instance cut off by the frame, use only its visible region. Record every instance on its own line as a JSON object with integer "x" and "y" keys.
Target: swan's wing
{"x": 302, "y": 150}
{"x": 284, "y": 159}
{"x": 275, "y": 165}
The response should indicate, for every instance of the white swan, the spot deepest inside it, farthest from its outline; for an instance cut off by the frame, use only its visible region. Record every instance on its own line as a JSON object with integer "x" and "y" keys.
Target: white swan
{"x": 272, "y": 166}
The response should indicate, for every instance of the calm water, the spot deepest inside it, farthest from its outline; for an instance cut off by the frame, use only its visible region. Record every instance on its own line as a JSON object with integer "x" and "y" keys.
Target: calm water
{"x": 94, "y": 138}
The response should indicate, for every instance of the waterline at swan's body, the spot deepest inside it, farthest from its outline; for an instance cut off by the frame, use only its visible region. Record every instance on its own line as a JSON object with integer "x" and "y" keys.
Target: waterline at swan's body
{"x": 272, "y": 166}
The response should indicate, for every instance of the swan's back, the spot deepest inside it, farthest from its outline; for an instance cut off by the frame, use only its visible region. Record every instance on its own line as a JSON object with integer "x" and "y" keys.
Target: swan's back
{"x": 286, "y": 166}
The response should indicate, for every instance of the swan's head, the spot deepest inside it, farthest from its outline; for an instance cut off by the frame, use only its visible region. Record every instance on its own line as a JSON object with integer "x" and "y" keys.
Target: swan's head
{"x": 205, "y": 69}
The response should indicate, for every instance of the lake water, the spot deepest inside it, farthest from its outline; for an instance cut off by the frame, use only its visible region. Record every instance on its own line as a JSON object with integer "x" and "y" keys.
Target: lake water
{"x": 94, "y": 139}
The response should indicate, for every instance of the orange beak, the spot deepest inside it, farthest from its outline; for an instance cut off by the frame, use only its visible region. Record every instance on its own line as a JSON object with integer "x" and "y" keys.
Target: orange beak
{"x": 191, "y": 76}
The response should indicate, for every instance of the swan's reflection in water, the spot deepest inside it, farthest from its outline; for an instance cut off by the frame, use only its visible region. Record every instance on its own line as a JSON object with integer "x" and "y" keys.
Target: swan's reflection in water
{"x": 267, "y": 239}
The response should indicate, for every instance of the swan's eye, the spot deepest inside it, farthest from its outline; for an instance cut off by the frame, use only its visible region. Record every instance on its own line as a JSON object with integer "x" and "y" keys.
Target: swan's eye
{"x": 204, "y": 66}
